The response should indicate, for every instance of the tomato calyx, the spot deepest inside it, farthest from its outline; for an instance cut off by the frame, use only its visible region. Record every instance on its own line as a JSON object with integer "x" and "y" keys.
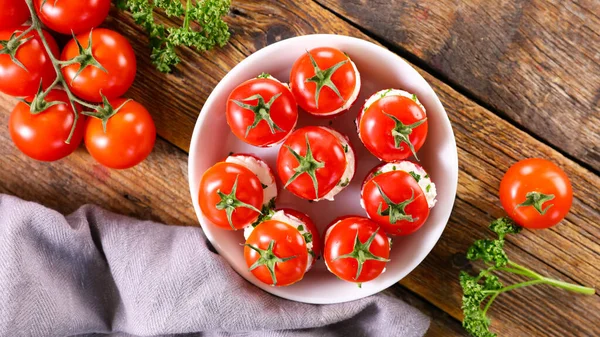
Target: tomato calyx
{"x": 401, "y": 131}
{"x": 229, "y": 203}
{"x": 85, "y": 58}
{"x": 268, "y": 259}
{"x": 11, "y": 46}
{"x": 361, "y": 253}
{"x": 262, "y": 111}
{"x": 395, "y": 211}
{"x": 39, "y": 104}
{"x": 105, "y": 111}
{"x": 322, "y": 78}
{"x": 537, "y": 200}
{"x": 307, "y": 164}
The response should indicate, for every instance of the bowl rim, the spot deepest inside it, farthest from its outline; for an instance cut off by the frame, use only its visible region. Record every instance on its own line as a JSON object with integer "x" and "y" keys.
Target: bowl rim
{"x": 194, "y": 143}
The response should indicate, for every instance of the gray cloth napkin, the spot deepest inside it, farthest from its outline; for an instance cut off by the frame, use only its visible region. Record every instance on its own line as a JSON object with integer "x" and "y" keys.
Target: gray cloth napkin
{"x": 94, "y": 272}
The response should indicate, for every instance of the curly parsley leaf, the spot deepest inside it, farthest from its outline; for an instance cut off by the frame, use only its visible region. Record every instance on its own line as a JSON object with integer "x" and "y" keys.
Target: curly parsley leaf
{"x": 207, "y": 15}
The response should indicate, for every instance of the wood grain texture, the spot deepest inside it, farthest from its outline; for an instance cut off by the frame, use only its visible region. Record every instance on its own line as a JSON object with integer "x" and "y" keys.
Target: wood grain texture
{"x": 157, "y": 189}
{"x": 536, "y": 61}
{"x": 487, "y": 146}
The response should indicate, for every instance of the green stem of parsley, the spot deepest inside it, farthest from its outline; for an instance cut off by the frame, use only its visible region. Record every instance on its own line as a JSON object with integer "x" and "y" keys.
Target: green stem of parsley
{"x": 186, "y": 20}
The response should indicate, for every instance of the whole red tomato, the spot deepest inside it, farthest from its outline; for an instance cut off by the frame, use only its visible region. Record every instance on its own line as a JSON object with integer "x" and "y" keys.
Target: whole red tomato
{"x": 42, "y": 136}
{"x": 230, "y": 195}
{"x": 395, "y": 201}
{"x": 72, "y": 16}
{"x": 114, "y": 54}
{"x": 356, "y": 249}
{"x": 21, "y": 81}
{"x": 13, "y": 13}
{"x": 129, "y": 136}
{"x": 276, "y": 253}
{"x": 536, "y": 193}
{"x": 311, "y": 162}
{"x": 324, "y": 81}
{"x": 392, "y": 126}
{"x": 261, "y": 111}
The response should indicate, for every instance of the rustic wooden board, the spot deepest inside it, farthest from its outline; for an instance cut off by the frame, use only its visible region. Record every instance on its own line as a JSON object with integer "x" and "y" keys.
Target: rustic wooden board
{"x": 487, "y": 146}
{"x": 536, "y": 62}
{"x": 157, "y": 190}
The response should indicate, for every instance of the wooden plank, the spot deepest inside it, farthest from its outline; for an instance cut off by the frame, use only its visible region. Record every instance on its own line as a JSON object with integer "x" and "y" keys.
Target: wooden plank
{"x": 156, "y": 189}
{"x": 536, "y": 62}
{"x": 487, "y": 146}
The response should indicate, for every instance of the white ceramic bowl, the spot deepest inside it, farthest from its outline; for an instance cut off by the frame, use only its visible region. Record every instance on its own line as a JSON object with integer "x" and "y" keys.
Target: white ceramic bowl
{"x": 380, "y": 69}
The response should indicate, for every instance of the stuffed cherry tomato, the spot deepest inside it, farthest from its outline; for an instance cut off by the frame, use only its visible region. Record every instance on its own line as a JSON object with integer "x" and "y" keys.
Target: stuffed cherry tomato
{"x": 398, "y": 196}
{"x": 356, "y": 249}
{"x": 392, "y": 125}
{"x": 276, "y": 252}
{"x": 316, "y": 163}
{"x": 235, "y": 192}
{"x": 262, "y": 111}
{"x": 264, "y": 174}
{"x": 298, "y": 220}
{"x": 536, "y": 193}
{"x": 324, "y": 81}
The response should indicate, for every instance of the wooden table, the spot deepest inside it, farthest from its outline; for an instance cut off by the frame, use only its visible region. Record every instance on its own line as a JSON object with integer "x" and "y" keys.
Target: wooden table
{"x": 518, "y": 79}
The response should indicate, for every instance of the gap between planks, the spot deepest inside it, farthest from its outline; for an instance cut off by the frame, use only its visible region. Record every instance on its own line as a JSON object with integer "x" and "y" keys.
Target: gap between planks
{"x": 402, "y": 52}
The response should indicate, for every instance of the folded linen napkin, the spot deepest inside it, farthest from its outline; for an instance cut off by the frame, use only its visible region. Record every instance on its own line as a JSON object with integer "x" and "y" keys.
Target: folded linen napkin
{"x": 94, "y": 272}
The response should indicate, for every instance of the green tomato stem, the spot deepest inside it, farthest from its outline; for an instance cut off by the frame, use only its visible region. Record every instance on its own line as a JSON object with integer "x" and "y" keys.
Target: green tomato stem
{"x": 56, "y": 64}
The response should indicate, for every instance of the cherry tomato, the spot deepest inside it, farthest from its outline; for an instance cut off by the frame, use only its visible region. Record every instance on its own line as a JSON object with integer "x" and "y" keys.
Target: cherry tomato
{"x": 17, "y": 81}
{"x": 311, "y": 162}
{"x": 276, "y": 253}
{"x": 393, "y": 127}
{"x": 113, "y": 52}
{"x": 230, "y": 196}
{"x": 261, "y": 111}
{"x": 396, "y": 202}
{"x": 72, "y": 16}
{"x": 129, "y": 136}
{"x": 13, "y": 13}
{"x": 536, "y": 193}
{"x": 356, "y": 249}
{"x": 324, "y": 81}
{"x": 42, "y": 136}
{"x": 311, "y": 228}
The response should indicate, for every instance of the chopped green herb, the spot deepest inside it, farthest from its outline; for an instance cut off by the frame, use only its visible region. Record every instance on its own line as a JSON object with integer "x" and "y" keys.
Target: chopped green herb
{"x": 307, "y": 237}
{"x": 414, "y": 97}
{"x": 267, "y": 212}
{"x": 394, "y": 168}
{"x": 301, "y": 228}
{"x": 264, "y": 186}
{"x": 383, "y": 94}
{"x": 377, "y": 173}
{"x": 346, "y": 148}
{"x": 427, "y": 176}
{"x": 263, "y": 75}
{"x": 428, "y": 188}
{"x": 345, "y": 183}
{"x": 415, "y": 175}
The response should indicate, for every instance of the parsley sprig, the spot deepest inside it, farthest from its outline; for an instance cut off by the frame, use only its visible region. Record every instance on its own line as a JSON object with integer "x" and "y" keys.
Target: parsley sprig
{"x": 207, "y": 14}
{"x": 479, "y": 292}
